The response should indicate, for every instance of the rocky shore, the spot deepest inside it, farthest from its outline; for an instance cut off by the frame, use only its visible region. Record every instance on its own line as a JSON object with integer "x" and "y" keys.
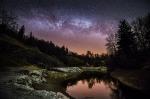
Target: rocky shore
{"x": 21, "y": 85}
{"x": 31, "y": 82}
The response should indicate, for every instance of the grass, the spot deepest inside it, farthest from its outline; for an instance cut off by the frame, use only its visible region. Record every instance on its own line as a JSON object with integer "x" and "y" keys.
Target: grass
{"x": 15, "y": 53}
{"x": 101, "y": 69}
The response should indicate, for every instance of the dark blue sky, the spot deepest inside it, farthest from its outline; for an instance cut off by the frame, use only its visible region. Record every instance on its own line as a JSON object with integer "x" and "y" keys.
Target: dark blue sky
{"x": 80, "y": 25}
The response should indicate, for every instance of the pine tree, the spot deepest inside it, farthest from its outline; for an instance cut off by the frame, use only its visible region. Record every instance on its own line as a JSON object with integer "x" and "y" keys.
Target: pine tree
{"x": 125, "y": 41}
{"x": 31, "y": 36}
{"x": 21, "y": 32}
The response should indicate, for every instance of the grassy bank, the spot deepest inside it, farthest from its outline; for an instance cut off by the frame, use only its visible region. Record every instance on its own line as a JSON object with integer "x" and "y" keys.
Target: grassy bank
{"x": 137, "y": 79}
{"x": 15, "y": 53}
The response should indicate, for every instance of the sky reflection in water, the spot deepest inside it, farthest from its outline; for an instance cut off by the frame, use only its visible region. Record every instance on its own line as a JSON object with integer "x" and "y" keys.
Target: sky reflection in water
{"x": 91, "y": 89}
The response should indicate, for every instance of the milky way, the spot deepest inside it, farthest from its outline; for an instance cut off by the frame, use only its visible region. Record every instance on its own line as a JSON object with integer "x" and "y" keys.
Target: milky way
{"x": 80, "y": 25}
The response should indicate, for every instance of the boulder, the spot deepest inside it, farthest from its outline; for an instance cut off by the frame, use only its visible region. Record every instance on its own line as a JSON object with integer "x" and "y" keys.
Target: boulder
{"x": 26, "y": 81}
{"x": 49, "y": 94}
{"x": 69, "y": 69}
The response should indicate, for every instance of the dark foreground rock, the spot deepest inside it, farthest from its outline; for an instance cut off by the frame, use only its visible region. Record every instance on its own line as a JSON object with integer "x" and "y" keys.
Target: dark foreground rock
{"x": 19, "y": 85}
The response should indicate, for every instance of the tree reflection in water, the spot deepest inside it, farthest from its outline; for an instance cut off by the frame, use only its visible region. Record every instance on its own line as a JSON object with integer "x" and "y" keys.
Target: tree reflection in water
{"x": 99, "y": 86}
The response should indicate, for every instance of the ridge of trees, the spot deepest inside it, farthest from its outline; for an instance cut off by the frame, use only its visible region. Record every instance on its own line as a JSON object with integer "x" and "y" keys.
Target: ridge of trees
{"x": 130, "y": 46}
{"x": 9, "y": 26}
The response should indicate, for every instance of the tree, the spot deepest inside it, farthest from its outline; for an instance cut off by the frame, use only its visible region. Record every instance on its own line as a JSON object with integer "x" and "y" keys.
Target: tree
{"x": 125, "y": 39}
{"x": 21, "y": 32}
{"x": 146, "y": 20}
{"x": 111, "y": 44}
{"x": 8, "y": 22}
{"x": 89, "y": 54}
{"x": 126, "y": 48}
{"x": 139, "y": 34}
{"x": 7, "y": 19}
{"x": 133, "y": 44}
{"x": 30, "y": 36}
{"x": 142, "y": 31}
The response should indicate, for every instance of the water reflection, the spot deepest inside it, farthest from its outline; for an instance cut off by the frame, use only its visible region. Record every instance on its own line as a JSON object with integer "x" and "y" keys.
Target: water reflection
{"x": 98, "y": 86}
{"x": 90, "y": 89}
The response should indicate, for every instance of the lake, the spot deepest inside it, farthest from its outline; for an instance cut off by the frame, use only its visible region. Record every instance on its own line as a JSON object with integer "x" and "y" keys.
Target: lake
{"x": 99, "y": 86}
{"x": 91, "y": 89}
{"x": 84, "y": 85}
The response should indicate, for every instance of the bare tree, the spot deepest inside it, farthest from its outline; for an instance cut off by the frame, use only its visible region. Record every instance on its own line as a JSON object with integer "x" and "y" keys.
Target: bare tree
{"x": 7, "y": 18}
{"x": 111, "y": 44}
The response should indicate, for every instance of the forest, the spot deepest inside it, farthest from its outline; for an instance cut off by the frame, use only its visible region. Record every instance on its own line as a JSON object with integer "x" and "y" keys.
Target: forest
{"x": 129, "y": 47}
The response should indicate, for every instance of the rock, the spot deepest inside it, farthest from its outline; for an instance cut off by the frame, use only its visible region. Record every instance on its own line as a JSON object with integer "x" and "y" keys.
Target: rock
{"x": 44, "y": 73}
{"x": 103, "y": 69}
{"x": 44, "y": 94}
{"x": 61, "y": 96}
{"x": 38, "y": 76}
{"x": 25, "y": 87}
{"x": 27, "y": 81}
{"x": 38, "y": 79}
{"x": 36, "y": 73}
{"x": 69, "y": 69}
{"x": 24, "y": 80}
{"x": 49, "y": 94}
{"x": 23, "y": 72}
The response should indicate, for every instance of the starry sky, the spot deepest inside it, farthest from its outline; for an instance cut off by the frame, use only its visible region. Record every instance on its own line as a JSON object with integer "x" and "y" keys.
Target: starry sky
{"x": 80, "y": 25}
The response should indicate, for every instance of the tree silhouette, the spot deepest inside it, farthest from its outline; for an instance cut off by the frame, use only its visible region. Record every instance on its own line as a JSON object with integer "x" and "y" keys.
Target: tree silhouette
{"x": 147, "y": 27}
{"x": 21, "y": 32}
{"x": 125, "y": 38}
{"x": 31, "y": 36}
{"x": 111, "y": 44}
{"x": 133, "y": 44}
{"x": 6, "y": 18}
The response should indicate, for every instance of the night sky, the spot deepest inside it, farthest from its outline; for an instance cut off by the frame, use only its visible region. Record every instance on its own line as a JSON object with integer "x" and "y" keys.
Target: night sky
{"x": 80, "y": 25}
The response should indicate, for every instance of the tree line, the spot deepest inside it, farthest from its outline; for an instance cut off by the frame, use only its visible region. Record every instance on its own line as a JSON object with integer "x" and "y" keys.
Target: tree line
{"x": 129, "y": 47}
{"x": 9, "y": 26}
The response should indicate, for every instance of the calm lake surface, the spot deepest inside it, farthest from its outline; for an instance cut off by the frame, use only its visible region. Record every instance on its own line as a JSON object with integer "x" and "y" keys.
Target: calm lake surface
{"x": 91, "y": 89}
{"x": 86, "y": 85}
{"x": 97, "y": 86}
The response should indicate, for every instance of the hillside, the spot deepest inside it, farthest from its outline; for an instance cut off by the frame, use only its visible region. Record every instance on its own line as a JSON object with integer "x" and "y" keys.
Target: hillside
{"x": 17, "y": 49}
{"x": 15, "y": 53}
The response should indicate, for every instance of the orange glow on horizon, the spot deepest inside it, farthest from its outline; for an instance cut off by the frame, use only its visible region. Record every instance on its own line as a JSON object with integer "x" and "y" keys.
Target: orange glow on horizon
{"x": 79, "y": 44}
{"x": 81, "y": 51}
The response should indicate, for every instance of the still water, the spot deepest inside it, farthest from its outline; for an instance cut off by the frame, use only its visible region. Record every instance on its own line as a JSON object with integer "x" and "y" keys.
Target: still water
{"x": 97, "y": 86}
{"x": 91, "y": 90}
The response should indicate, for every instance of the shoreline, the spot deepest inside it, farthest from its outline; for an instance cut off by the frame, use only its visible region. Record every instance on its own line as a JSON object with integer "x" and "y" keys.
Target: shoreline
{"x": 135, "y": 79}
